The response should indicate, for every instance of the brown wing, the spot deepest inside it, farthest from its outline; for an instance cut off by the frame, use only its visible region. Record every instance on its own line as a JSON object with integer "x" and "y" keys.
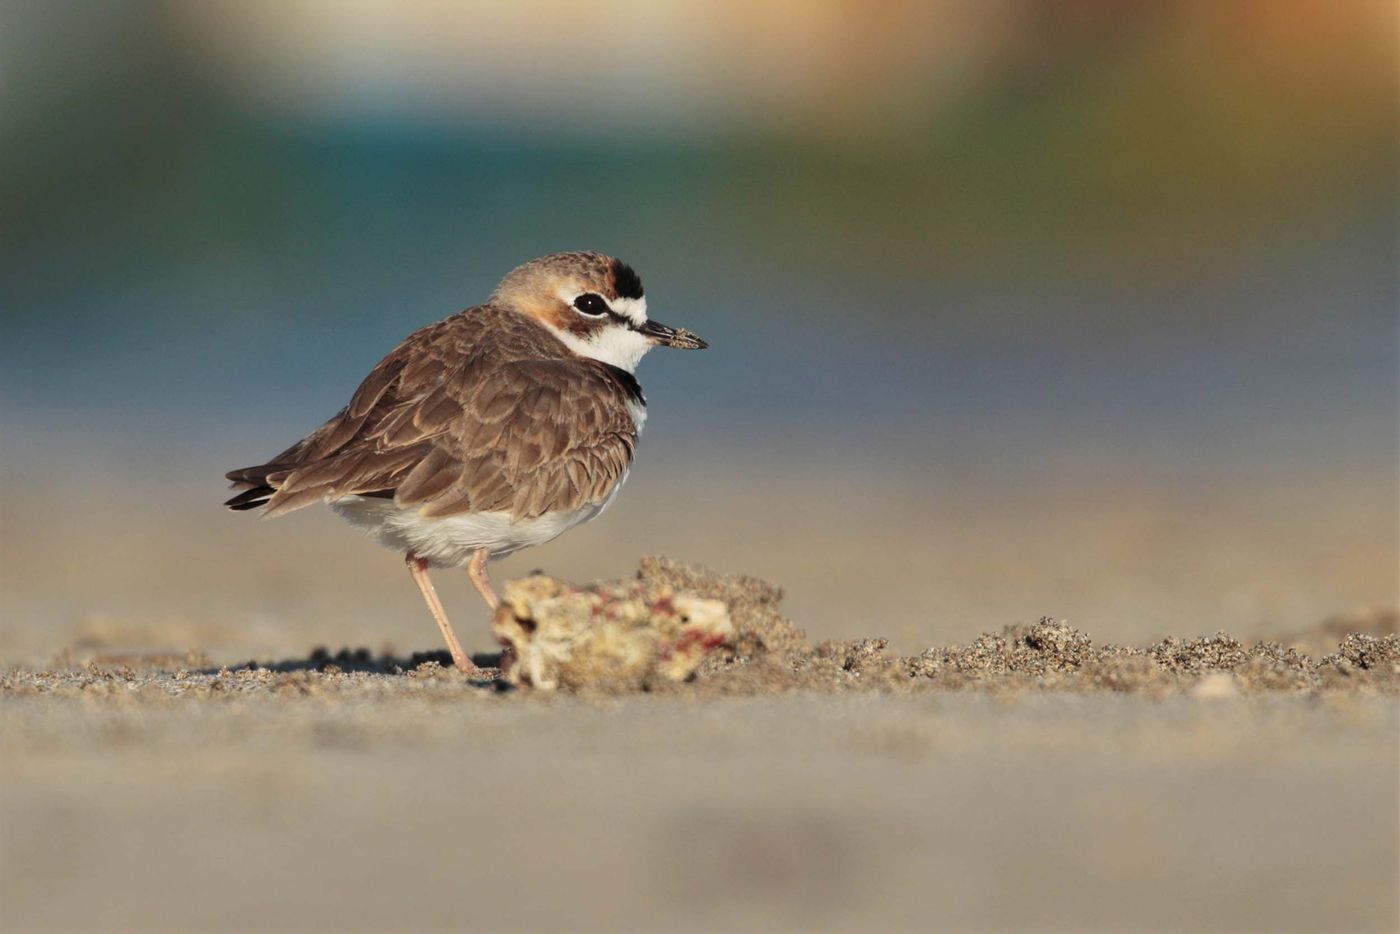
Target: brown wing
{"x": 467, "y": 415}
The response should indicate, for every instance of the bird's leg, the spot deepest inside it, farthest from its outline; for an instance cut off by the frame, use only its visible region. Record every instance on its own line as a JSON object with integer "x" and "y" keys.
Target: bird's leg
{"x": 481, "y": 578}
{"x": 419, "y": 569}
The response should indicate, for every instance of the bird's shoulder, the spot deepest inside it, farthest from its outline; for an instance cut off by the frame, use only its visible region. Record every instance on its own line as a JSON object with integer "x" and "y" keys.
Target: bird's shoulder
{"x": 485, "y": 356}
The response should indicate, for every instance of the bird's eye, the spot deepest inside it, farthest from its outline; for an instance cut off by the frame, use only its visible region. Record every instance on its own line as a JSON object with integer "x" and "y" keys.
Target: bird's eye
{"x": 591, "y": 304}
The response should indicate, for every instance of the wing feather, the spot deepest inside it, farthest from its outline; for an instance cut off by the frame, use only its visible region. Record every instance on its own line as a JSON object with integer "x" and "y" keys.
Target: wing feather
{"x": 482, "y": 411}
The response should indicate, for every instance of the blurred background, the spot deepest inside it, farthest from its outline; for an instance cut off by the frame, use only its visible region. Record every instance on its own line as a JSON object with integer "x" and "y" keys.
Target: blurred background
{"x": 1075, "y": 308}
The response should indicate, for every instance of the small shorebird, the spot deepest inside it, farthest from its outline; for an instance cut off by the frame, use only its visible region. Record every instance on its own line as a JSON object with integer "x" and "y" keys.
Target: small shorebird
{"x": 495, "y": 429}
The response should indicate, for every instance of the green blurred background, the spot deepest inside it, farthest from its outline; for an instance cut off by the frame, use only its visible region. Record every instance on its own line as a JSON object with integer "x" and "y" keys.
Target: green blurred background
{"x": 1077, "y": 308}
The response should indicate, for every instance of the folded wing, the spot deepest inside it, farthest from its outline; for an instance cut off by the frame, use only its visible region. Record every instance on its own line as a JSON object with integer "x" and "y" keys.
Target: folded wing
{"x": 453, "y": 425}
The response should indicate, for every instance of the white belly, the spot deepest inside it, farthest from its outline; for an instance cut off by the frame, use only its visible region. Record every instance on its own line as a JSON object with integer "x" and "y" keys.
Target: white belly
{"x": 449, "y": 542}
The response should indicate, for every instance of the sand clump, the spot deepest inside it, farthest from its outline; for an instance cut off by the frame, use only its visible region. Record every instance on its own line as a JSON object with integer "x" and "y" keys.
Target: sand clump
{"x": 681, "y": 628}
{"x": 614, "y": 637}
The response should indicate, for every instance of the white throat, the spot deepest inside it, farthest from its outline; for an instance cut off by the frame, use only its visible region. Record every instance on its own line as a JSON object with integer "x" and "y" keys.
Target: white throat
{"x": 616, "y": 344}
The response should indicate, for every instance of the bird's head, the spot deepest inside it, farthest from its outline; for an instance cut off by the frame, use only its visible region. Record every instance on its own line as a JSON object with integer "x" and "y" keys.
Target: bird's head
{"x": 594, "y": 304}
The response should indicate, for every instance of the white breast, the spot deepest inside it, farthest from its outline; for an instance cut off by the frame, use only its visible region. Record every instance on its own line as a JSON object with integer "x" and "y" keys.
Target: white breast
{"x": 638, "y": 410}
{"x": 449, "y": 541}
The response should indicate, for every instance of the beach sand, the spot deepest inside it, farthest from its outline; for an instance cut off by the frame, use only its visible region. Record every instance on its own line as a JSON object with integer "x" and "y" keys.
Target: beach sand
{"x": 1028, "y": 779}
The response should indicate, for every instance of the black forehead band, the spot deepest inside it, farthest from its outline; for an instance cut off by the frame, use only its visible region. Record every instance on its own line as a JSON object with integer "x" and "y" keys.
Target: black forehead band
{"x": 625, "y": 281}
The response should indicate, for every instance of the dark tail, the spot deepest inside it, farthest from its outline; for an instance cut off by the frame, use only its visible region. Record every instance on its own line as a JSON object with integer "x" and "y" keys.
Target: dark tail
{"x": 251, "y": 499}
{"x": 253, "y": 487}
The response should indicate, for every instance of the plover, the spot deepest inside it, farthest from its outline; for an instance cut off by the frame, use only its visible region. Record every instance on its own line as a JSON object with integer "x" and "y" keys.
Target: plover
{"x": 495, "y": 429}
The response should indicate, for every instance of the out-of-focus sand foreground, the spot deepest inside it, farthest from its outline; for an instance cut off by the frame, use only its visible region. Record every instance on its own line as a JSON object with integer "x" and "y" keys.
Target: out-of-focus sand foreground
{"x": 1030, "y": 779}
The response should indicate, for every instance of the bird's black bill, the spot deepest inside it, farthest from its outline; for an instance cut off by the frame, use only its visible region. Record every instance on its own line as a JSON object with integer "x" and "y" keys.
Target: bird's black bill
{"x": 672, "y": 337}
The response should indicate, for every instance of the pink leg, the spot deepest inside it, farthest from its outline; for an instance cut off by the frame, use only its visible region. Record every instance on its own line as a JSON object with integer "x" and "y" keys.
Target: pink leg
{"x": 419, "y": 569}
{"x": 481, "y": 578}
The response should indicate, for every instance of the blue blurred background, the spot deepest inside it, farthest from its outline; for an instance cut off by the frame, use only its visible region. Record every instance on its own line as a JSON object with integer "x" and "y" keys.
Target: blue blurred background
{"x": 1077, "y": 308}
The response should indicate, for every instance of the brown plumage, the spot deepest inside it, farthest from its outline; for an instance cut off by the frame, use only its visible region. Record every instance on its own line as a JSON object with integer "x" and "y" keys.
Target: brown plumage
{"x": 483, "y": 411}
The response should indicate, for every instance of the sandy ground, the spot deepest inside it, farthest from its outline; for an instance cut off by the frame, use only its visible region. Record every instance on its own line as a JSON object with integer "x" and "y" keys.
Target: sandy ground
{"x": 1028, "y": 779}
